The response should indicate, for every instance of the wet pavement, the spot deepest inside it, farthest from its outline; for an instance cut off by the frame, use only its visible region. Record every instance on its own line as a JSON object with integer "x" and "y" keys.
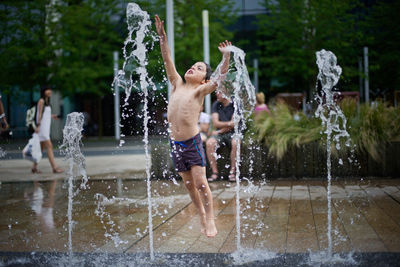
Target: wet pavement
{"x": 279, "y": 218}
{"x": 106, "y": 161}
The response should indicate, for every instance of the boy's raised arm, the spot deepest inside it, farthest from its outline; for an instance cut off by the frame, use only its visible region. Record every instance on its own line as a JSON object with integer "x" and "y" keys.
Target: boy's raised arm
{"x": 172, "y": 74}
{"x": 226, "y": 53}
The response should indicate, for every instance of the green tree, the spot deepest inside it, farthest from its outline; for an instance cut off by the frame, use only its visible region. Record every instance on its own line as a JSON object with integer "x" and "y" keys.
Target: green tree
{"x": 68, "y": 45}
{"x": 85, "y": 37}
{"x": 293, "y": 31}
{"x": 189, "y": 29}
{"x": 383, "y": 41}
{"x": 23, "y": 49}
{"x": 65, "y": 43}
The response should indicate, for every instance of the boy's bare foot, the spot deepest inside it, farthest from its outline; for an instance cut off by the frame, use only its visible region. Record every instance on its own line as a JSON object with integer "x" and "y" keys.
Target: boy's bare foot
{"x": 211, "y": 230}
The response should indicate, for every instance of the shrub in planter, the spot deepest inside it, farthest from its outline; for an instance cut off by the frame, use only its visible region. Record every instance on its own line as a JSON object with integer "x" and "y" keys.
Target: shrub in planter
{"x": 371, "y": 127}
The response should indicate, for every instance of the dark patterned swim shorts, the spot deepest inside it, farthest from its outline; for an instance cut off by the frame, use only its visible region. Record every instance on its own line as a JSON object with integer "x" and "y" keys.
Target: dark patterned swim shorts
{"x": 188, "y": 153}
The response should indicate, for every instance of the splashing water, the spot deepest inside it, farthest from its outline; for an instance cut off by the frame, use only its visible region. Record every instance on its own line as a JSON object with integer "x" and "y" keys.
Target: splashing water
{"x": 320, "y": 258}
{"x": 134, "y": 51}
{"x": 105, "y": 219}
{"x": 243, "y": 257}
{"x": 331, "y": 117}
{"x": 70, "y": 148}
{"x": 237, "y": 85}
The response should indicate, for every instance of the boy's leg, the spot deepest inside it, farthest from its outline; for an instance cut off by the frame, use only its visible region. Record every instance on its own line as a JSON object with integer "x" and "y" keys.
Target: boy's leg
{"x": 201, "y": 184}
{"x": 194, "y": 195}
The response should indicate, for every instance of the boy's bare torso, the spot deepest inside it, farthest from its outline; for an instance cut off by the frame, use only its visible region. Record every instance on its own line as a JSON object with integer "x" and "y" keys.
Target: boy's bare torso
{"x": 183, "y": 112}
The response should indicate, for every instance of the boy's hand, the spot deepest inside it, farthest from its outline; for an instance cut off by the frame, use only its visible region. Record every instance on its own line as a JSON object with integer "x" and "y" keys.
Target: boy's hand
{"x": 160, "y": 26}
{"x": 223, "y": 47}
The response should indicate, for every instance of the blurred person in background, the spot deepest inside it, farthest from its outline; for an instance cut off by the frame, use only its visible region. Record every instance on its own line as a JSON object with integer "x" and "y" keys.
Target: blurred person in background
{"x": 260, "y": 104}
{"x": 222, "y": 119}
{"x": 3, "y": 119}
{"x": 43, "y": 122}
{"x": 204, "y": 124}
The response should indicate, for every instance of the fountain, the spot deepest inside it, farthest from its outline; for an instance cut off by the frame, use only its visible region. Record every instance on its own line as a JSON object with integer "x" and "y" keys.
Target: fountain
{"x": 333, "y": 119}
{"x": 134, "y": 52}
{"x": 167, "y": 204}
{"x": 70, "y": 148}
{"x": 237, "y": 86}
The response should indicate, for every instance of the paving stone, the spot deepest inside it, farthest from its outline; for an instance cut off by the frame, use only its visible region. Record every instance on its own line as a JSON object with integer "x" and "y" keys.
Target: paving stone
{"x": 284, "y": 217}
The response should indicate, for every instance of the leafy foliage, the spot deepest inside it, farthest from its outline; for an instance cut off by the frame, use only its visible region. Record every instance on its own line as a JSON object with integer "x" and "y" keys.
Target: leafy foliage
{"x": 68, "y": 44}
{"x": 71, "y": 44}
{"x": 383, "y": 42}
{"x": 283, "y": 128}
{"x": 85, "y": 35}
{"x": 371, "y": 127}
{"x": 293, "y": 31}
{"x": 23, "y": 49}
{"x": 189, "y": 30}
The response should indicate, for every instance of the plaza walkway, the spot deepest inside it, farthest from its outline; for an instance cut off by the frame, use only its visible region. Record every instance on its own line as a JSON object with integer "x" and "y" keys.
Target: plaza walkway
{"x": 276, "y": 216}
{"x": 110, "y": 216}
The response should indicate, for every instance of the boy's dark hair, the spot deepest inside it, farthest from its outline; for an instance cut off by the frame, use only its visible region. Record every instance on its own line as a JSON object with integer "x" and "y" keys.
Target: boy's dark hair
{"x": 208, "y": 71}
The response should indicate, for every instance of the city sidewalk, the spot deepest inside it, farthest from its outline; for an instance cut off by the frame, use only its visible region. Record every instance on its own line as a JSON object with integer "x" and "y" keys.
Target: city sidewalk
{"x": 281, "y": 221}
{"x": 284, "y": 221}
{"x": 105, "y": 159}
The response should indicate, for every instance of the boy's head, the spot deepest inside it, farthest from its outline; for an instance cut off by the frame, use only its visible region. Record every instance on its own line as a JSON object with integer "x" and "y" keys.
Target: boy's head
{"x": 200, "y": 72}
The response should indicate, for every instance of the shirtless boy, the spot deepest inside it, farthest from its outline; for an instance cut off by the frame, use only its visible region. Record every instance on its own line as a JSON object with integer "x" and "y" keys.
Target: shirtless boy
{"x": 184, "y": 108}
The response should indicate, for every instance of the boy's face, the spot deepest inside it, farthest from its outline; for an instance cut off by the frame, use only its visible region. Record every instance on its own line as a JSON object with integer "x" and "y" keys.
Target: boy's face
{"x": 197, "y": 73}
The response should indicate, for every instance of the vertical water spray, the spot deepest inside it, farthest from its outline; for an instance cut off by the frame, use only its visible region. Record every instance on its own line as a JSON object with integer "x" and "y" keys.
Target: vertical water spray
{"x": 332, "y": 118}
{"x": 70, "y": 148}
{"x": 134, "y": 75}
{"x": 237, "y": 85}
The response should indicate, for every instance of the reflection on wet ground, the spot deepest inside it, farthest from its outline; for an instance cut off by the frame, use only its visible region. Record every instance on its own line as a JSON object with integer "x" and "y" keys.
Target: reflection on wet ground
{"x": 276, "y": 216}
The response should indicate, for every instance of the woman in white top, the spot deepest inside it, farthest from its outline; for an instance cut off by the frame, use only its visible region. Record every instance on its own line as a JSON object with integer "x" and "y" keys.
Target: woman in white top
{"x": 3, "y": 120}
{"x": 43, "y": 122}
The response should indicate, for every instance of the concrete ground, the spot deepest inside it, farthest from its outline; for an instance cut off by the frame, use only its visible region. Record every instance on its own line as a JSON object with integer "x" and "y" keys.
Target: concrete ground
{"x": 281, "y": 219}
{"x": 103, "y": 158}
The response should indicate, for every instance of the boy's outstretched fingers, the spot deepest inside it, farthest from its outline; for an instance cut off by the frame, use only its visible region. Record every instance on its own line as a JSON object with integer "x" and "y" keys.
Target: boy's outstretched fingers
{"x": 223, "y": 47}
{"x": 159, "y": 25}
